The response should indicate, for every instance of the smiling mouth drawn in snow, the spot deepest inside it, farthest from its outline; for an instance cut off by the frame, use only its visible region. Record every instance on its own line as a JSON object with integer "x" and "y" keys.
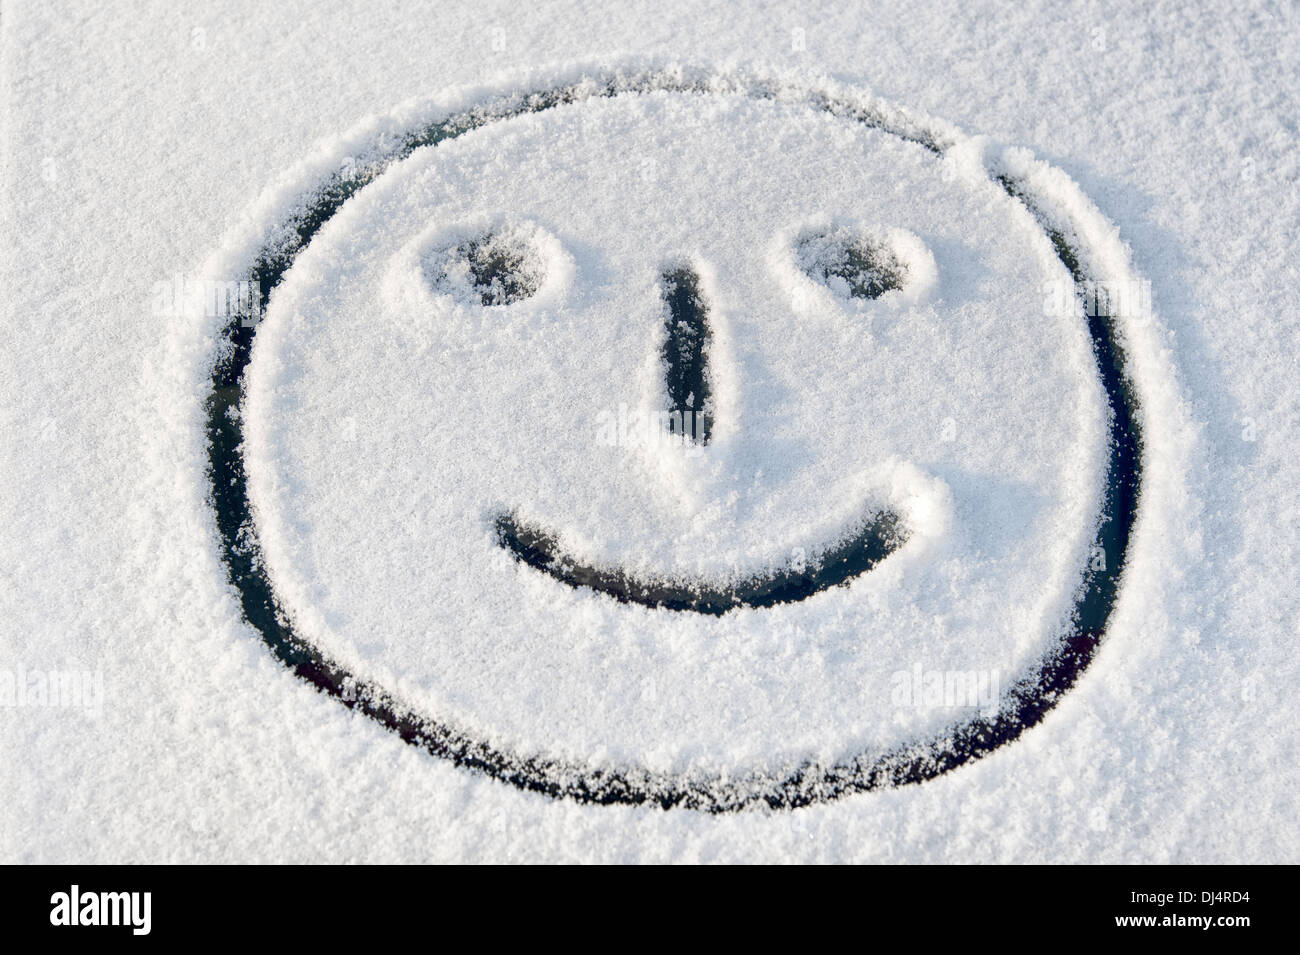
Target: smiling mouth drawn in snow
{"x": 496, "y": 272}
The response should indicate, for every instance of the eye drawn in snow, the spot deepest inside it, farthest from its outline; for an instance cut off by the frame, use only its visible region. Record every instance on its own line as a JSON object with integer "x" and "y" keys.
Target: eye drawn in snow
{"x": 668, "y": 292}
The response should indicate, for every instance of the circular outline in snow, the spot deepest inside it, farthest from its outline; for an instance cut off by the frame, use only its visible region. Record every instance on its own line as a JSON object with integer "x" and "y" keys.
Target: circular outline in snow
{"x": 285, "y": 222}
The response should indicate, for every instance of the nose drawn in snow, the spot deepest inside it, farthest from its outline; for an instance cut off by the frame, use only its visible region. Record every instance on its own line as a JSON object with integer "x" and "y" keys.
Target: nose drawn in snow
{"x": 686, "y": 355}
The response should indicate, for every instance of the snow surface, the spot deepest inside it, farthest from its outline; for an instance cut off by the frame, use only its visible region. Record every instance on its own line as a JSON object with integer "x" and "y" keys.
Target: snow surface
{"x": 379, "y": 397}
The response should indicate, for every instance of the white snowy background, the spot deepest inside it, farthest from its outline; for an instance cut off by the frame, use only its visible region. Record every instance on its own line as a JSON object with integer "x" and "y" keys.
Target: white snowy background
{"x": 136, "y": 134}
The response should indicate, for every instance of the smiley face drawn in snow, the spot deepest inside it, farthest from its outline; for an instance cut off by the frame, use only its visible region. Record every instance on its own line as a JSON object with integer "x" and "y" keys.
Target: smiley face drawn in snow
{"x": 451, "y": 479}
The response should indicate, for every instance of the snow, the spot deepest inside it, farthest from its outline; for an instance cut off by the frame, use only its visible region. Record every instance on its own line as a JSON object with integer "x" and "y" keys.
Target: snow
{"x": 389, "y": 415}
